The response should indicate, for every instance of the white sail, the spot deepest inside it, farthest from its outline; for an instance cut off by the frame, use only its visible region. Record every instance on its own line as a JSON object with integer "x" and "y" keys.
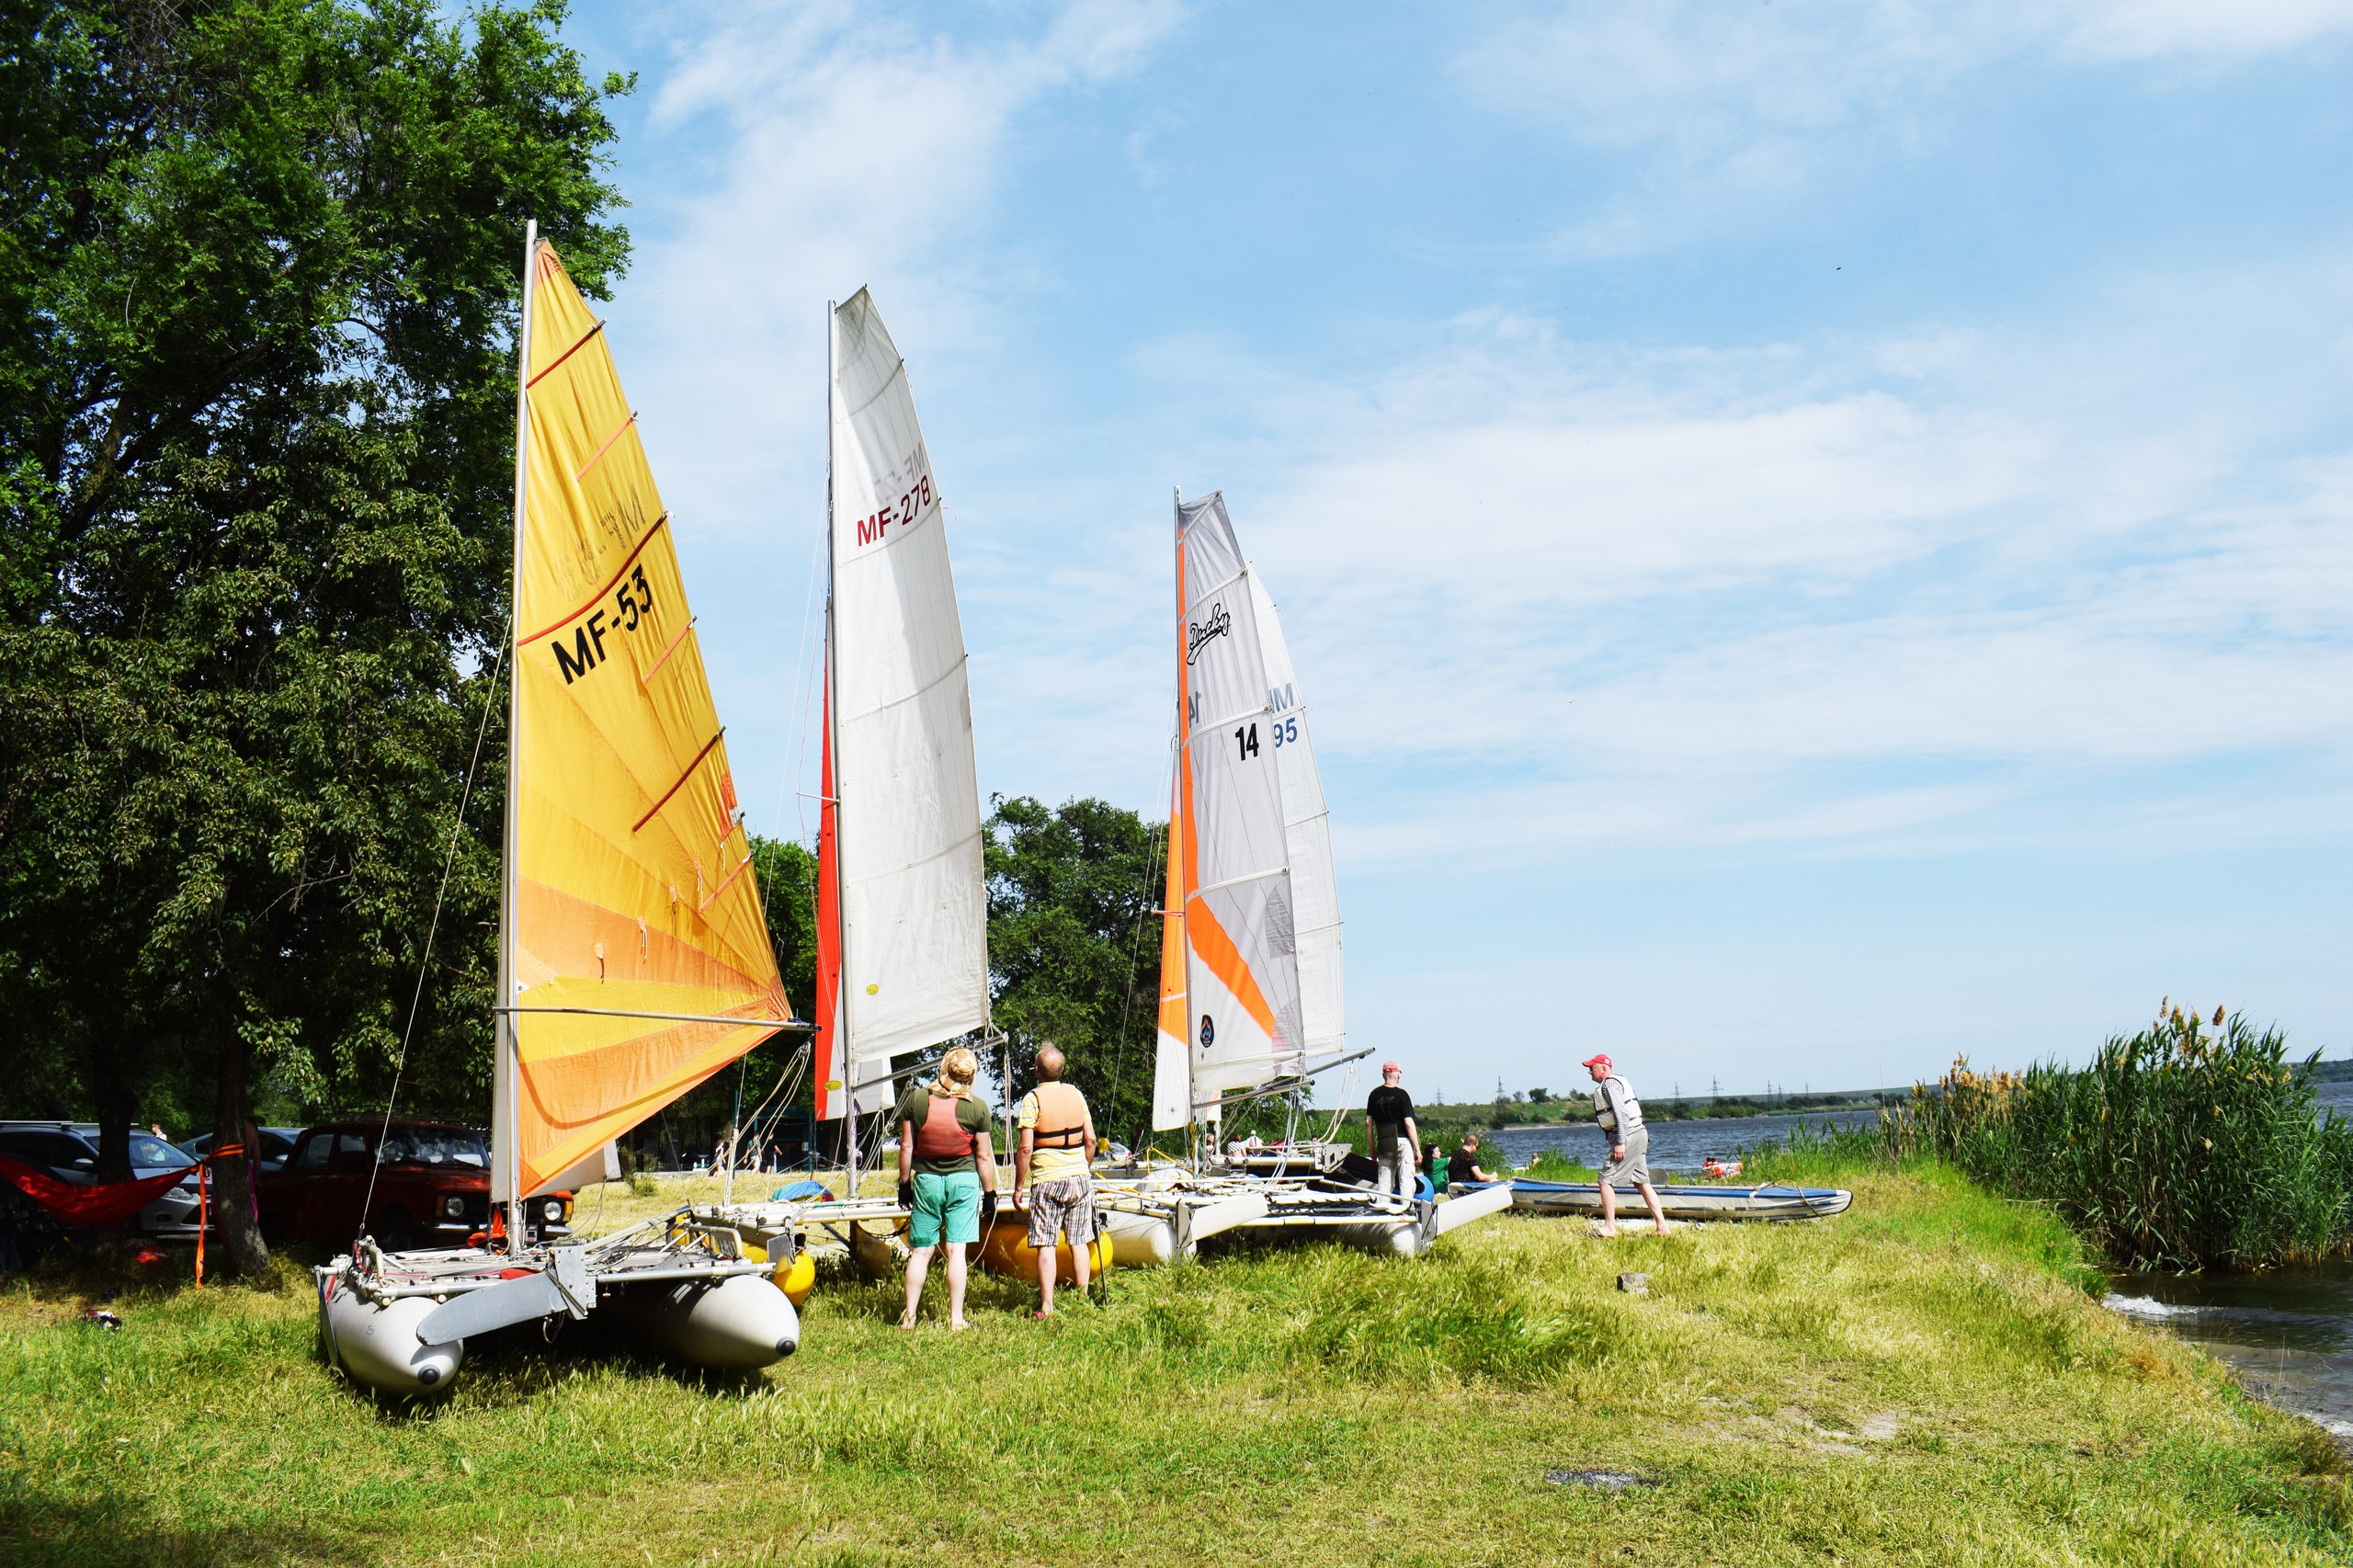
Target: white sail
{"x": 1307, "y": 836}
{"x": 1241, "y": 990}
{"x": 914, "y": 911}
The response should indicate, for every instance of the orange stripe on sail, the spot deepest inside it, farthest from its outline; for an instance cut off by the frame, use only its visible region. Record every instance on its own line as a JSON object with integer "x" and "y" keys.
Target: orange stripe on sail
{"x": 597, "y": 456}
{"x": 1215, "y": 949}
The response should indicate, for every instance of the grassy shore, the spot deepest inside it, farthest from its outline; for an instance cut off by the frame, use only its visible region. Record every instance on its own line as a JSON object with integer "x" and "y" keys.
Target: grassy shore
{"x": 1926, "y": 1379}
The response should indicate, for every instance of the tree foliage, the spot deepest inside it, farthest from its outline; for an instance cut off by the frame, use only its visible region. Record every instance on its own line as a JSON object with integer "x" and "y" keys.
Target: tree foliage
{"x": 259, "y": 261}
{"x": 1075, "y": 946}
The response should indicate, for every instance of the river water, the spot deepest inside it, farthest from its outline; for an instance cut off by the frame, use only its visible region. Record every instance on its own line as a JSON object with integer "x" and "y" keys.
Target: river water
{"x": 1679, "y": 1147}
{"x": 2286, "y": 1332}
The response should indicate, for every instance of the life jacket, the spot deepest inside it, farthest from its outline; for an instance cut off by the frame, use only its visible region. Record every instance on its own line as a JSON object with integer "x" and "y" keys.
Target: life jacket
{"x": 941, "y": 1136}
{"x": 1065, "y": 1109}
{"x": 1601, "y": 1112}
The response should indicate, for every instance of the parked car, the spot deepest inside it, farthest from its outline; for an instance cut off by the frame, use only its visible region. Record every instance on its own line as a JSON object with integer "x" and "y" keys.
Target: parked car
{"x": 69, "y": 1151}
{"x": 431, "y": 1187}
{"x": 277, "y": 1144}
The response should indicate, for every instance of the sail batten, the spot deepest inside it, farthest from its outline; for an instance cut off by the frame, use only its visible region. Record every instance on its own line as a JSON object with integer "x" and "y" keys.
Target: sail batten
{"x": 639, "y": 959}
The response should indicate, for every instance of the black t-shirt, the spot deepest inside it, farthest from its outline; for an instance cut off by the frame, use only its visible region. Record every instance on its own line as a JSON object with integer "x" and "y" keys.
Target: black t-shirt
{"x": 1384, "y": 1114}
{"x": 1459, "y": 1163}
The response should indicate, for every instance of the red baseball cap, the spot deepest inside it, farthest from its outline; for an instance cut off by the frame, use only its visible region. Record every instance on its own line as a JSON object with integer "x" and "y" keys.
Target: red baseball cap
{"x": 1600, "y": 1062}
{"x": 1388, "y": 1067}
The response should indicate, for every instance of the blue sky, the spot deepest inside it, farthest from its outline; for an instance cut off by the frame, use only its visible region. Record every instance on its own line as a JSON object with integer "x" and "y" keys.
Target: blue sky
{"x": 1816, "y": 537}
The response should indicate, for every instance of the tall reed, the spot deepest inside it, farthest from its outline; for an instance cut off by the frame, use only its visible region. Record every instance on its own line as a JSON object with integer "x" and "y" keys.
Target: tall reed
{"x": 2176, "y": 1148}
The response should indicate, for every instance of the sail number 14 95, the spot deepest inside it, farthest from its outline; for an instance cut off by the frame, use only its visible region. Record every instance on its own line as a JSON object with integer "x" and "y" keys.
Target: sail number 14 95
{"x": 1245, "y": 737}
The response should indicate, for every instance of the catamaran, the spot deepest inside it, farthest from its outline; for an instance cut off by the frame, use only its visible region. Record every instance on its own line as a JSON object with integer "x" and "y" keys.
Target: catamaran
{"x": 1251, "y": 997}
{"x": 633, "y": 956}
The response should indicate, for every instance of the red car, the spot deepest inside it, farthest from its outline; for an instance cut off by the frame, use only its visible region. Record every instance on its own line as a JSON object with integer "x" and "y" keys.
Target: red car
{"x": 431, "y": 1187}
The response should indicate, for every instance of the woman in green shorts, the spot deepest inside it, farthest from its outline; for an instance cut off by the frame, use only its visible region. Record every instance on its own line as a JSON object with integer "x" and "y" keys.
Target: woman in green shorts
{"x": 947, "y": 1177}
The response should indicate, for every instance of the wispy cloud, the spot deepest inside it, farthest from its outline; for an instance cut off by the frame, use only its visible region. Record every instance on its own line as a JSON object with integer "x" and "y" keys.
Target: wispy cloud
{"x": 1732, "y": 109}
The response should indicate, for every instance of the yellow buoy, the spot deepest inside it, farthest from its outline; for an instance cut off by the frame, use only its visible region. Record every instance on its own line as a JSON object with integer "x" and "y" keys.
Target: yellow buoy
{"x": 796, "y": 1279}
{"x": 1005, "y": 1250}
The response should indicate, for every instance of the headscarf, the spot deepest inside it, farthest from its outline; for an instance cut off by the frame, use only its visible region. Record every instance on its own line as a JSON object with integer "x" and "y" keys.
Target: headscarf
{"x": 957, "y": 1071}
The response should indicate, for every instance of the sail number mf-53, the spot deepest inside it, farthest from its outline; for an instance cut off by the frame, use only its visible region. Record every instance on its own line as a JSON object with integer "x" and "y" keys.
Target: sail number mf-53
{"x": 870, "y": 528}
{"x": 632, "y": 602}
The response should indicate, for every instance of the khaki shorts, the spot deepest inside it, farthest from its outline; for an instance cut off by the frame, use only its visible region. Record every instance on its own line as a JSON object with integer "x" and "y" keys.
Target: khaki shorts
{"x": 1066, "y": 1206}
{"x": 1635, "y": 1170}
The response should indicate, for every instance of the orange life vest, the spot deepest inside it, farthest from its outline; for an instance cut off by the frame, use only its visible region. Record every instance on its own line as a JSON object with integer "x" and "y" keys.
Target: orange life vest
{"x": 941, "y": 1136}
{"x": 1066, "y": 1108}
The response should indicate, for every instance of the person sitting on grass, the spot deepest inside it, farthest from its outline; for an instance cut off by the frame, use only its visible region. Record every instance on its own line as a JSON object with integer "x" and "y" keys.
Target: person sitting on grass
{"x": 1620, "y": 1116}
{"x": 1464, "y": 1165}
{"x": 1058, "y": 1150}
{"x": 952, "y": 1191}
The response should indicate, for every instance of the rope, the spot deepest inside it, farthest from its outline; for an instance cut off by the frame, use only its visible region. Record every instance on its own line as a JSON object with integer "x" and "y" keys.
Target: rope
{"x": 424, "y": 961}
{"x": 1135, "y": 950}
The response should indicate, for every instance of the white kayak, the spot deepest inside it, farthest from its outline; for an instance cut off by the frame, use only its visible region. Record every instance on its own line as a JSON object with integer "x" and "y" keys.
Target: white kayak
{"x": 1679, "y": 1202}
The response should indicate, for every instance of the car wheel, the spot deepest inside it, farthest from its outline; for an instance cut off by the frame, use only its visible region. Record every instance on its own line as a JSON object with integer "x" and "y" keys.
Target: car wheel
{"x": 395, "y": 1231}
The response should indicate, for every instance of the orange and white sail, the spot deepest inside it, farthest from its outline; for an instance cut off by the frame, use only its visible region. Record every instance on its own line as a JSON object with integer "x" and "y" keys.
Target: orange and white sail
{"x": 635, "y": 956}
{"x": 1254, "y": 923}
{"x": 904, "y": 800}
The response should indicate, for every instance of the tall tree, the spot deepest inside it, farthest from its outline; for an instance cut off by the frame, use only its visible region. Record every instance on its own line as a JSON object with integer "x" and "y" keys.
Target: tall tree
{"x": 259, "y": 266}
{"x": 1075, "y": 946}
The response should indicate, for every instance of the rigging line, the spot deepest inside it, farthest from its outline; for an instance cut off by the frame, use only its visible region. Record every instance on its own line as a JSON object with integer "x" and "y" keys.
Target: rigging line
{"x": 1135, "y": 951}
{"x": 425, "y": 962}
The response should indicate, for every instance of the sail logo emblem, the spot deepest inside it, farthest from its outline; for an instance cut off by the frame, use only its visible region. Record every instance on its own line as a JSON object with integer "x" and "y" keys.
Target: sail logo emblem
{"x": 1209, "y": 1032}
{"x": 1198, "y": 634}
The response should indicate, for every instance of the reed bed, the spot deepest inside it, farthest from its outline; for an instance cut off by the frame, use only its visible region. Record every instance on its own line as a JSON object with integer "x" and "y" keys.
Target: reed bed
{"x": 2191, "y": 1144}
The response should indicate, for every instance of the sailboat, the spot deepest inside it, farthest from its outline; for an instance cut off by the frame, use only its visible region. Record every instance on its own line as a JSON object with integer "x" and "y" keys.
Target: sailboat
{"x": 1251, "y": 995}
{"x": 633, "y": 956}
{"x": 902, "y": 902}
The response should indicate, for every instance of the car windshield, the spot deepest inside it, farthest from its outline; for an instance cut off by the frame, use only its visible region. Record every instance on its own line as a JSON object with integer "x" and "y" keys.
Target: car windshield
{"x": 433, "y": 1146}
{"x": 151, "y": 1152}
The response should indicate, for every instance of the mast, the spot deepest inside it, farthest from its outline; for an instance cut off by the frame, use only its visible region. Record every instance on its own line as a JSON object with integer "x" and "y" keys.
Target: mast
{"x": 1175, "y": 806}
{"x": 506, "y": 1135}
{"x": 833, "y": 740}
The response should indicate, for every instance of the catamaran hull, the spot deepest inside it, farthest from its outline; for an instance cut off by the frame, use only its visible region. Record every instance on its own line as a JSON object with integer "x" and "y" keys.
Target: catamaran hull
{"x": 377, "y": 1345}
{"x": 740, "y": 1325}
{"x": 1678, "y": 1202}
{"x": 1139, "y": 1241}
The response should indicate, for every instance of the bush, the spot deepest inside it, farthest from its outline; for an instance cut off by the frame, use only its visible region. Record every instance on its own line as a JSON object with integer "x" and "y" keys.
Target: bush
{"x": 2177, "y": 1148}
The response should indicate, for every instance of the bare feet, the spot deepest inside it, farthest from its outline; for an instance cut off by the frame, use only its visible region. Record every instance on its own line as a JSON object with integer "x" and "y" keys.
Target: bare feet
{"x": 1607, "y": 1233}
{"x": 907, "y": 1319}
{"x": 958, "y": 1326}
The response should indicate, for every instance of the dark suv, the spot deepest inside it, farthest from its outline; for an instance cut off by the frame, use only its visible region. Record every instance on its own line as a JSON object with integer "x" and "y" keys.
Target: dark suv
{"x": 431, "y": 1187}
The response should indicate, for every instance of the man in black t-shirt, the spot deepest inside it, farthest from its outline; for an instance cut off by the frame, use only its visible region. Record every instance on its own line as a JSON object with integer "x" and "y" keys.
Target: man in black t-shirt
{"x": 1390, "y": 1137}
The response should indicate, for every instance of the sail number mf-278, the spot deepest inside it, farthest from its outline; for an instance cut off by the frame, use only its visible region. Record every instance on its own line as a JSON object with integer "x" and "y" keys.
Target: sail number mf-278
{"x": 870, "y": 528}
{"x": 632, "y": 602}
{"x": 1246, "y": 736}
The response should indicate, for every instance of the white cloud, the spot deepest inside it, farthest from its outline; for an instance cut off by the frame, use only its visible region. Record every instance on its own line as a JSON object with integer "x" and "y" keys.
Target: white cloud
{"x": 1549, "y": 598}
{"x": 1738, "y": 106}
{"x": 851, "y": 149}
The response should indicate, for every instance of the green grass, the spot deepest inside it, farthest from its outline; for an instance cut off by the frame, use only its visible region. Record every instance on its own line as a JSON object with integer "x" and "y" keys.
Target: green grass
{"x": 1924, "y": 1381}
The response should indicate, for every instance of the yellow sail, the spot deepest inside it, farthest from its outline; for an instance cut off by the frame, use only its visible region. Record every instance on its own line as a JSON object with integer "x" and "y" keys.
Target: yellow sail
{"x": 632, "y": 884}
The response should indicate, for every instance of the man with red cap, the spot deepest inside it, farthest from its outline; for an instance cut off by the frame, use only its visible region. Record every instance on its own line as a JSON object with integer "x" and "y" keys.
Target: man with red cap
{"x": 1390, "y": 1137}
{"x": 1620, "y": 1116}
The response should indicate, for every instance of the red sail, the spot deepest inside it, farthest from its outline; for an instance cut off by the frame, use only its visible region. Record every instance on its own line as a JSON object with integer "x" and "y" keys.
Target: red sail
{"x": 830, "y": 1069}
